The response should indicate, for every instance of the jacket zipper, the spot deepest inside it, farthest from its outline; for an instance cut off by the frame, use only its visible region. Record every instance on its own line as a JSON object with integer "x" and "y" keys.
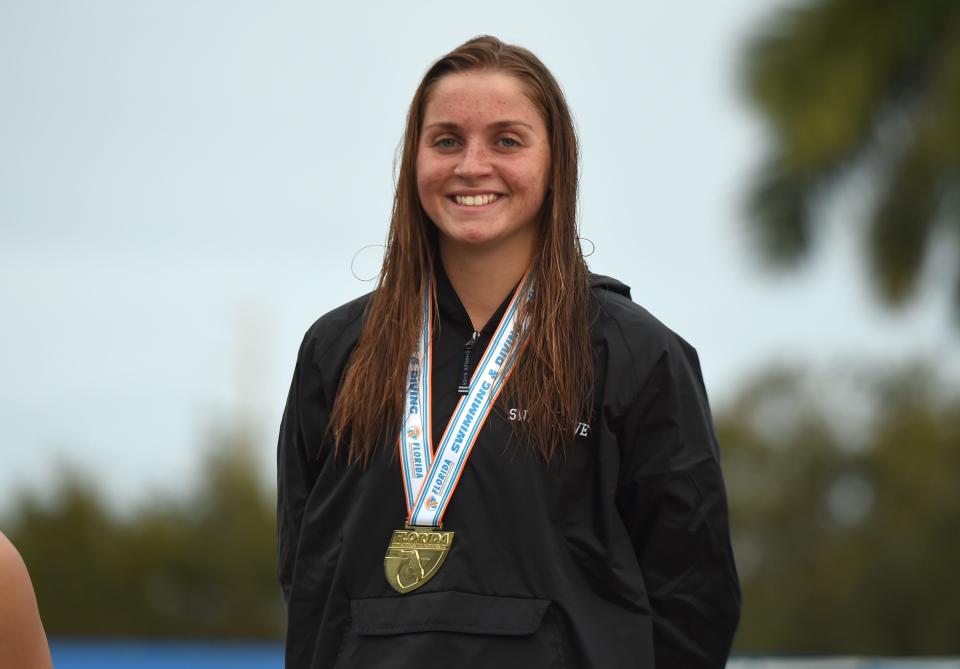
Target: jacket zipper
{"x": 467, "y": 350}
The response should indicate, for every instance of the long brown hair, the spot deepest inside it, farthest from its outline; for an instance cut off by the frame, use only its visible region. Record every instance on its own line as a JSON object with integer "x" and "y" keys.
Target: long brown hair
{"x": 553, "y": 374}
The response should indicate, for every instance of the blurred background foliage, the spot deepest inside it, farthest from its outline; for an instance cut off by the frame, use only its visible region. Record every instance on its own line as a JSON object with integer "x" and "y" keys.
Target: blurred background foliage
{"x": 844, "y": 492}
{"x": 844, "y": 486}
{"x": 202, "y": 565}
{"x": 861, "y": 85}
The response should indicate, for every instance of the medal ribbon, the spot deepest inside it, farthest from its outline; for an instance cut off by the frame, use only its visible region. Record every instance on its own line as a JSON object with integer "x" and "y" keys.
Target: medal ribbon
{"x": 415, "y": 441}
{"x": 430, "y": 478}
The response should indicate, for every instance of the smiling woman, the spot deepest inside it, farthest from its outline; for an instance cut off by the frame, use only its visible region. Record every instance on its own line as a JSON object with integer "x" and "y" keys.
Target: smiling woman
{"x": 482, "y": 168}
{"x": 497, "y": 458}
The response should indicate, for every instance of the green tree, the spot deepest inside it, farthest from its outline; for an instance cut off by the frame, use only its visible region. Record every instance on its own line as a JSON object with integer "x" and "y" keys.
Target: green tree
{"x": 860, "y": 84}
{"x": 202, "y": 565}
{"x": 844, "y": 500}
{"x": 845, "y": 526}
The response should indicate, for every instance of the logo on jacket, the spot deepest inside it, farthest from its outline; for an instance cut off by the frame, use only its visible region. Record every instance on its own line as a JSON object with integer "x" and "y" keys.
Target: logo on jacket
{"x": 582, "y": 429}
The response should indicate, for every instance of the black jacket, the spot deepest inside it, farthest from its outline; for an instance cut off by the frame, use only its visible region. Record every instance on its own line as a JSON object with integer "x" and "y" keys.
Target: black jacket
{"x": 616, "y": 556}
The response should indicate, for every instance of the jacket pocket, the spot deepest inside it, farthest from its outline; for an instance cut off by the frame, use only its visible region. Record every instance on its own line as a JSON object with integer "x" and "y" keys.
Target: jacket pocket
{"x": 450, "y": 629}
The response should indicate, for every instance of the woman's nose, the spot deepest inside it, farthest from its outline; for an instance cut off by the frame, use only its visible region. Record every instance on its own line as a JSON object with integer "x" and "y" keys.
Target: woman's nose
{"x": 474, "y": 161}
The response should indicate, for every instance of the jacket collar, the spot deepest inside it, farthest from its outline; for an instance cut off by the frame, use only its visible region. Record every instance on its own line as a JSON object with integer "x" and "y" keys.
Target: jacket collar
{"x": 451, "y": 307}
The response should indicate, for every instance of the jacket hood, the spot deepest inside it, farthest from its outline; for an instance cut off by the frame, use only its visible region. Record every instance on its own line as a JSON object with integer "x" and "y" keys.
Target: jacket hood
{"x": 608, "y": 283}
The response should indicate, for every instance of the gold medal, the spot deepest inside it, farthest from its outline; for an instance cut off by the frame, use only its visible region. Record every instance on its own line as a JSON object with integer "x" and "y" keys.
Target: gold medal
{"x": 414, "y": 555}
{"x": 417, "y": 552}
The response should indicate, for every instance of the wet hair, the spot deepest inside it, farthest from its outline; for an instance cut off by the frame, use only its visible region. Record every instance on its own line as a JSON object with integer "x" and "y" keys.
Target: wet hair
{"x": 554, "y": 371}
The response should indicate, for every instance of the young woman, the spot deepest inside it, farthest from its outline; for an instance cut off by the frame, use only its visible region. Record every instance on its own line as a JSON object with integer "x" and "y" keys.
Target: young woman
{"x": 497, "y": 459}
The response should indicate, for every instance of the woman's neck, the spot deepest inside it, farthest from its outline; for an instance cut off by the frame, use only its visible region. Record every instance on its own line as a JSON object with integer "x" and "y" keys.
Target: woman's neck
{"x": 482, "y": 278}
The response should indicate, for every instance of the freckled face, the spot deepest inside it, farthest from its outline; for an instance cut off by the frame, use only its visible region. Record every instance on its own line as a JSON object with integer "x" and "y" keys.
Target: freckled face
{"x": 483, "y": 160}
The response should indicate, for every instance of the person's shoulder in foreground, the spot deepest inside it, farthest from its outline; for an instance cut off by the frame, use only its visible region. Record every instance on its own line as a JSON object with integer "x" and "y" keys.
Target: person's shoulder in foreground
{"x": 23, "y": 643}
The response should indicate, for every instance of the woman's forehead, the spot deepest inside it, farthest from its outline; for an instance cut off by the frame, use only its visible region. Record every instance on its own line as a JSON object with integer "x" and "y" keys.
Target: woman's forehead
{"x": 479, "y": 97}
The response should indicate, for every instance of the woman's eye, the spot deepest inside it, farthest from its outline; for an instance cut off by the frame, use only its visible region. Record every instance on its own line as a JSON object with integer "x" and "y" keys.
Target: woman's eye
{"x": 509, "y": 142}
{"x": 445, "y": 143}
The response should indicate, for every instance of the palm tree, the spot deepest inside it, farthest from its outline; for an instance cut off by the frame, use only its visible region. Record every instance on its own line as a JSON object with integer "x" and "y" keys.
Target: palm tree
{"x": 847, "y": 85}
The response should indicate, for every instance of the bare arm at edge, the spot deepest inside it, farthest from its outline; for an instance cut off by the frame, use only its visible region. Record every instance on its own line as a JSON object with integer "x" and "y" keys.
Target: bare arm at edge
{"x": 23, "y": 642}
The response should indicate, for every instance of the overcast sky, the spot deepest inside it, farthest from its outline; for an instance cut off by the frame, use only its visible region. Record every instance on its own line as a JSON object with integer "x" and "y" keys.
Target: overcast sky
{"x": 183, "y": 186}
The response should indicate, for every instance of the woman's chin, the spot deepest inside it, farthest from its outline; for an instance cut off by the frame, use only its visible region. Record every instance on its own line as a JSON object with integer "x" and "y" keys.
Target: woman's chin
{"x": 486, "y": 238}
{"x": 472, "y": 236}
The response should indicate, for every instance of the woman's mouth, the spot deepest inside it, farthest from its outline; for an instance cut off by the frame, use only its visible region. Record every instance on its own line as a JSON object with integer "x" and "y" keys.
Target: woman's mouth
{"x": 478, "y": 200}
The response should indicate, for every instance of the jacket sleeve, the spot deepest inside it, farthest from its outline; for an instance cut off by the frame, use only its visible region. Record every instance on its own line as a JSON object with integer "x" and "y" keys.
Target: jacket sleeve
{"x": 295, "y": 477}
{"x": 672, "y": 500}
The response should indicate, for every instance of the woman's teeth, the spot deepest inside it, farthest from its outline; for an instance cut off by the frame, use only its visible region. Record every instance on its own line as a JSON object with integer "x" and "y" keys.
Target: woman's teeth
{"x": 476, "y": 200}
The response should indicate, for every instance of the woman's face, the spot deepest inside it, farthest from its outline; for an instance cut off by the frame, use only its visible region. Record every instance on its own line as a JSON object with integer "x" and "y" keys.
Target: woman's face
{"x": 483, "y": 161}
